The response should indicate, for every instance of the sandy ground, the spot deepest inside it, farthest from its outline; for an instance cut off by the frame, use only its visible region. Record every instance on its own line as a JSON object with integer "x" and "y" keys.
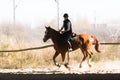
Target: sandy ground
{"x": 99, "y": 71}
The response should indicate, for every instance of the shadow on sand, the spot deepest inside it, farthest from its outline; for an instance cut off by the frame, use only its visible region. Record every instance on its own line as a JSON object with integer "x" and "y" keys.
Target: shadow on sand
{"x": 10, "y": 76}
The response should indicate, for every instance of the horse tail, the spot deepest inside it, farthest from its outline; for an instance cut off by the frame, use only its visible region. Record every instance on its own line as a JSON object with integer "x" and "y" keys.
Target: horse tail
{"x": 97, "y": 44}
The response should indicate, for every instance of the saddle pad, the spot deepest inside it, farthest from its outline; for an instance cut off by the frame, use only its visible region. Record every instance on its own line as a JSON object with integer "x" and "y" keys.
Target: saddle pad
{"x": 73, "y": 39}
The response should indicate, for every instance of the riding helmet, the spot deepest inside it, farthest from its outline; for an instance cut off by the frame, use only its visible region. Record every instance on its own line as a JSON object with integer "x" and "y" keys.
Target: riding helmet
{"x": 65, "y": 15}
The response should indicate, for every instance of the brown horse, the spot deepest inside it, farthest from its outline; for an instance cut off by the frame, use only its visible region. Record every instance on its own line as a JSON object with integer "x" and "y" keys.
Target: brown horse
{"x": 82, "y": 41}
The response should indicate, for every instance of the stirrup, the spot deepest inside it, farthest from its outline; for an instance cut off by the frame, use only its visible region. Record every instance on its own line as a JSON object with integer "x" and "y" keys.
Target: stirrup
{"x": 70, "y": 49}
{"x": 70, "y": 46}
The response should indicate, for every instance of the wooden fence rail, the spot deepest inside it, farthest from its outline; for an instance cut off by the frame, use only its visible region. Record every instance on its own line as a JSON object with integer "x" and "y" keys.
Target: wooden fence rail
{"x": 20, "y": 50}
{"x": 34, "y": 48}
{"x": 110, "y": 43}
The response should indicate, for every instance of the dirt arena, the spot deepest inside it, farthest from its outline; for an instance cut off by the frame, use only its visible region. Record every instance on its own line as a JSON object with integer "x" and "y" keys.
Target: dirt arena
{"x": 108, "y": 71}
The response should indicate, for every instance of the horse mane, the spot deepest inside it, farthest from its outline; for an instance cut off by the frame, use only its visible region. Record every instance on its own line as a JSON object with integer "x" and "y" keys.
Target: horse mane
{"x": 53, "y": 30}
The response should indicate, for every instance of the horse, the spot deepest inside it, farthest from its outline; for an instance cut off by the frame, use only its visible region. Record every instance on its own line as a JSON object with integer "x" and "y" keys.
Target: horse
{"x": 81, "y": 41}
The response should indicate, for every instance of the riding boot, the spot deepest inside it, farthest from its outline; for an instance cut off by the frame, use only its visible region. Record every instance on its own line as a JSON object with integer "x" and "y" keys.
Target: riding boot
{"x": 70, "y": 46}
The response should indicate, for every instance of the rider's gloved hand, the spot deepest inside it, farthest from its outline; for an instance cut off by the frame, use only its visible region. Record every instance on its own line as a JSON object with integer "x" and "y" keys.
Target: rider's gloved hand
{"x": 61, "y": 32}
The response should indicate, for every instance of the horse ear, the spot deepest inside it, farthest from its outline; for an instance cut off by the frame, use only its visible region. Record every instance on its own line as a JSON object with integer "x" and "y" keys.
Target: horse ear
{"x": 46, "y": 27}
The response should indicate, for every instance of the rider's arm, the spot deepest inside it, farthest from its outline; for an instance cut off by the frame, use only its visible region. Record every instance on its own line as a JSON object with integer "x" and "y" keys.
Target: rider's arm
{"x": 61, "y": 28}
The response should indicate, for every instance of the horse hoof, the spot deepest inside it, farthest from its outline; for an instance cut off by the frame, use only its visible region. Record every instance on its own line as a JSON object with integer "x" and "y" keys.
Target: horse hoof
{"x": 57, "y": 64}
{"x": 80, "y": 66}
{"x": 90, "y": 66}
{"x": 66, "y": 65}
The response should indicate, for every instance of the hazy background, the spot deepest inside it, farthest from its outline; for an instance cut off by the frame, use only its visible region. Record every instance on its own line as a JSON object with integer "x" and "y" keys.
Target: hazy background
{"x": 87, "y": 16}
{"x": 36, "y": 12}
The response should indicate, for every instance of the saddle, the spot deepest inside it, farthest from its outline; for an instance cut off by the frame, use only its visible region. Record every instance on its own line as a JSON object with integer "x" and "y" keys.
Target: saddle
{"x": 72, "y": 41}
{"x": 73, "y": 37}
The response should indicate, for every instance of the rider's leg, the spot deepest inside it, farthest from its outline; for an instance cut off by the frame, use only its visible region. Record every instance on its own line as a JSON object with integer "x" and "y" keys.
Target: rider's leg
{"x": 67, "y": 37}
{"x": 70, "y": 46}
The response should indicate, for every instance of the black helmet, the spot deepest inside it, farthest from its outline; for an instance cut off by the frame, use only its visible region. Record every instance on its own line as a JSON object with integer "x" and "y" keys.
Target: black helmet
{"x": 65, "y": 15}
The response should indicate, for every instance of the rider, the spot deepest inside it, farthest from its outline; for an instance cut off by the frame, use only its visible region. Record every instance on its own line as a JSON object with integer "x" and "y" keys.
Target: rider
{"x": 67, "y": 26}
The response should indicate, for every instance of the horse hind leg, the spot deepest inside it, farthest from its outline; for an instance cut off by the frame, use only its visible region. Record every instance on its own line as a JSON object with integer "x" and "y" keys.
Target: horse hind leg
{"x": 54, "y": 57}
{"x": 83, "y": 59}
{"x": 89, "y": 58}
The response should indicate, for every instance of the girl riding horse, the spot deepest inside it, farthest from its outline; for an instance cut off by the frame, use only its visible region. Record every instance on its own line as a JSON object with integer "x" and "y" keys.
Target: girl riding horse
{"x": 82, "y": 41}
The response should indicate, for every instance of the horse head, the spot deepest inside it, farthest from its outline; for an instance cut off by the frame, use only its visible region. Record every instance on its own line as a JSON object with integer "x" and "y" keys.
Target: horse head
{"x": 47, "y": 34}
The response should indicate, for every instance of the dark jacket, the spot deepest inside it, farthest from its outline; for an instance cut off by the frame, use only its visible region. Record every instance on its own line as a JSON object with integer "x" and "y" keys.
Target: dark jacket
{"x": 67, "y": 34}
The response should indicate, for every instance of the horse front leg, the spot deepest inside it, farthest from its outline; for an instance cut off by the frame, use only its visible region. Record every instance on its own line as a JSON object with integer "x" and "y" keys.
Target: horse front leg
{"x": 54, "y": 57}
{"x": 66, "y": 64}
{"x": 63, "y": 60}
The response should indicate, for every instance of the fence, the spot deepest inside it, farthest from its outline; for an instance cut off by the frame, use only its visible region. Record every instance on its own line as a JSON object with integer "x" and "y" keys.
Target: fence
{"x": 51, "y": 45}
{"x": 110, "y": 43}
